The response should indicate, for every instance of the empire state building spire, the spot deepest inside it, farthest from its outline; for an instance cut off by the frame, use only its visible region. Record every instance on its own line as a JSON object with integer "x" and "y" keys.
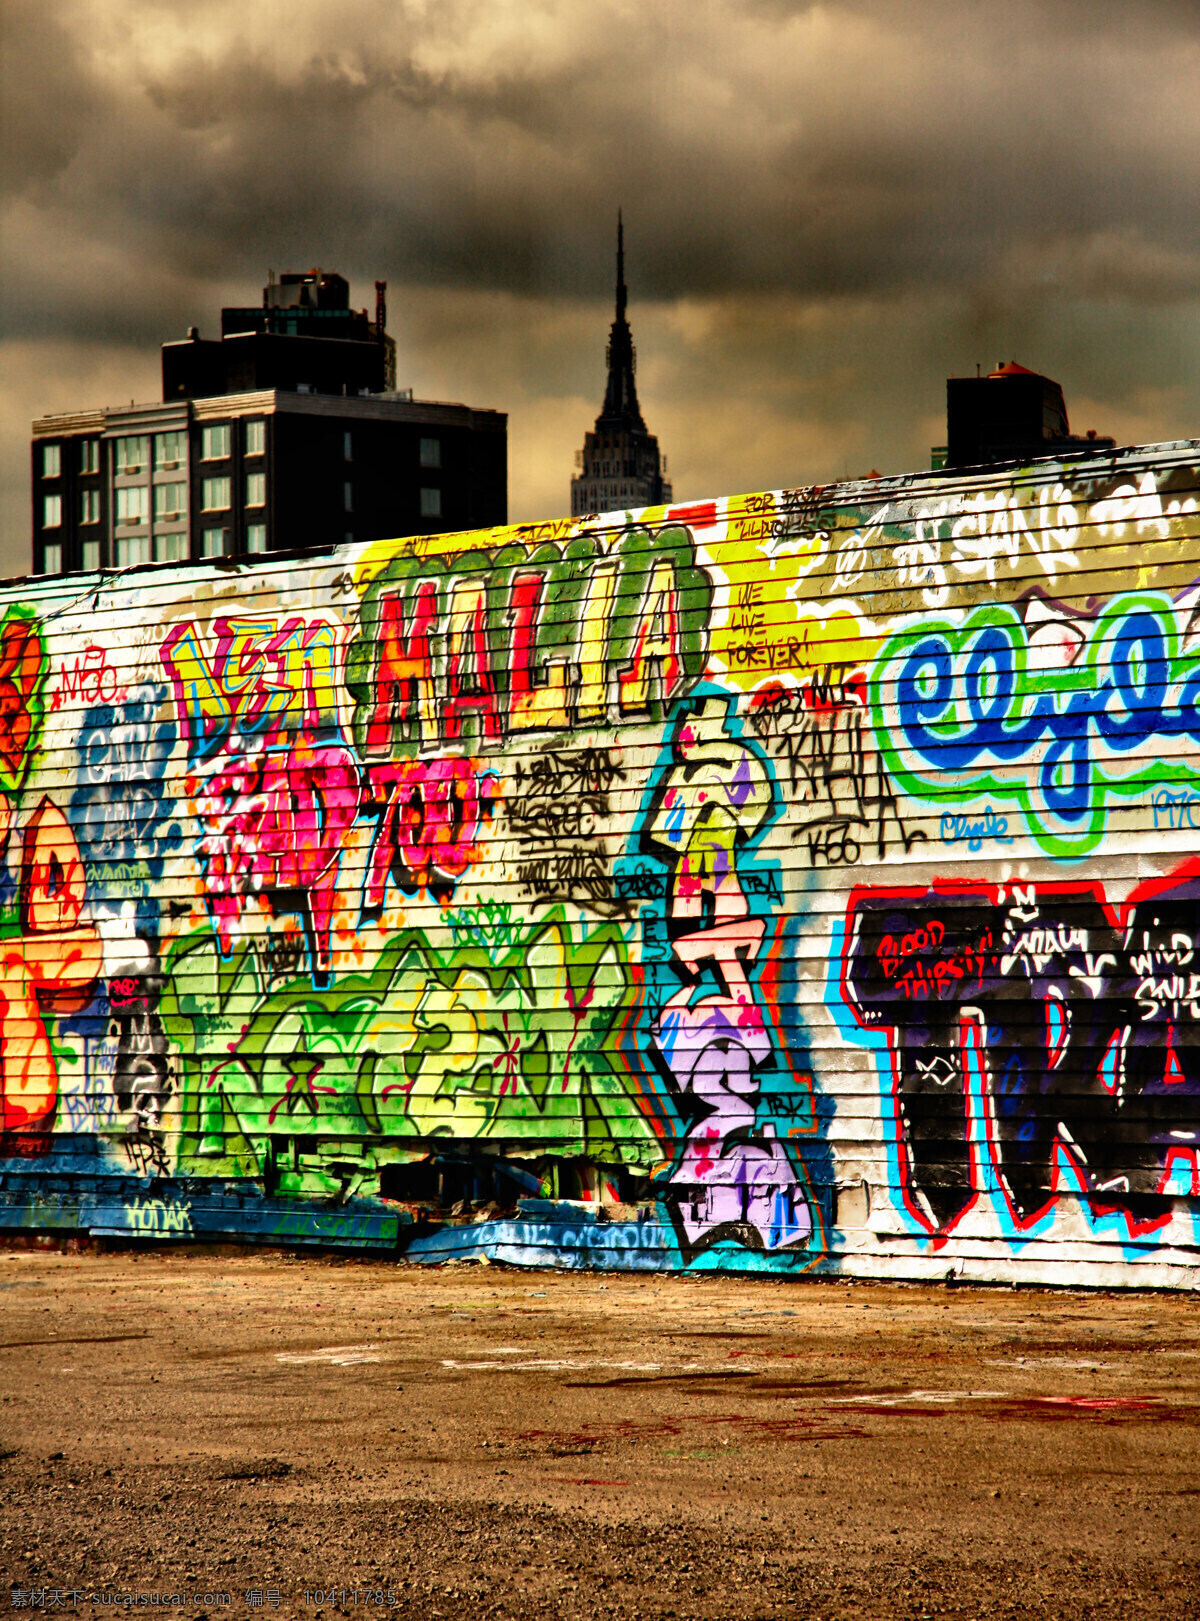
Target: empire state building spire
{"x": 621, "y": 409}
{"x": 619, "y": 465}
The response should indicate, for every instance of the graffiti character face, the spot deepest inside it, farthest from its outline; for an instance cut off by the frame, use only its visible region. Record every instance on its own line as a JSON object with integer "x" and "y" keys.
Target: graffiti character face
{"x": 702, "y": 725}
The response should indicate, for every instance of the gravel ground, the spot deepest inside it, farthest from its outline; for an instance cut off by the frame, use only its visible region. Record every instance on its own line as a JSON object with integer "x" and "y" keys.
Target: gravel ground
{"x": 318, "y": 1437}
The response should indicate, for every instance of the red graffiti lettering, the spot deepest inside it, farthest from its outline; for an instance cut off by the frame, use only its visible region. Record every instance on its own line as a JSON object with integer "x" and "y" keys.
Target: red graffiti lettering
{"x": 89, "y": 679}
{"x": 891, "y": 952}
{"x": 430, "y": 818}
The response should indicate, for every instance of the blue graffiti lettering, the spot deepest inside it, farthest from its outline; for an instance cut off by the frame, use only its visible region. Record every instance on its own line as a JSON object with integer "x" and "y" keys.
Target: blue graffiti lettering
{"x": 974, "y": 830}
{"x": 1175, "y": 811}
{"x": 963, "y": 710}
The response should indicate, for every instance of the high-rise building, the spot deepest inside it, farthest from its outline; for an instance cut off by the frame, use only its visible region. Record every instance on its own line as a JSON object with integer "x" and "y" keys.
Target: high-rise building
{"x": 1012, "y": 414}
{"x": 287, "y": 432}
{"x": 620, "y": 465}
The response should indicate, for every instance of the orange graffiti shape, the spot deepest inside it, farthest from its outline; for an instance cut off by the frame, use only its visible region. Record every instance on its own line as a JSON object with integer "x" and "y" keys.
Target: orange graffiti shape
{"x": 52, "y": 964}
{"x": 20, "y": 672}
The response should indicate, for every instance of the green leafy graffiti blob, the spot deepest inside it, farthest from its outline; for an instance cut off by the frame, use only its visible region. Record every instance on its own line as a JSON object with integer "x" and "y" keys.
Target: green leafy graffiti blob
{"x": 508, "y": 1033}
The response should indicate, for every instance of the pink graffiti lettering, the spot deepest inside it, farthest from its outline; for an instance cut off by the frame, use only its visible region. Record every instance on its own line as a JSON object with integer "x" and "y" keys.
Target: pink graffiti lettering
{"x": 274, "y": 828}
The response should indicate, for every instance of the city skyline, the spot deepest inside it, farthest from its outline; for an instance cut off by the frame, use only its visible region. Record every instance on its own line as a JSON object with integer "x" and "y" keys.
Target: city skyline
{"x": 836, "y": 207}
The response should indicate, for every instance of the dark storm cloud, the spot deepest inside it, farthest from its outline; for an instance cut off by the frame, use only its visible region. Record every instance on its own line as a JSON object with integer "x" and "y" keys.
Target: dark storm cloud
{"x": 944, "y": 176}
{"x": 46, "y": 100}
{"x": 813, "y": 149}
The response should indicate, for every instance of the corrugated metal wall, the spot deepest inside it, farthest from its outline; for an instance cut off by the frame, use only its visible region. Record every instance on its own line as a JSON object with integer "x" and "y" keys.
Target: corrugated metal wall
{"x": 804, "y": 880}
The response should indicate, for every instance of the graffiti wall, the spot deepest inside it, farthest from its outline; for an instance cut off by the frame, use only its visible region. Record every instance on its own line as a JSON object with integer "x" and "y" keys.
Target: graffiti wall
{"x": 799, "y": 881}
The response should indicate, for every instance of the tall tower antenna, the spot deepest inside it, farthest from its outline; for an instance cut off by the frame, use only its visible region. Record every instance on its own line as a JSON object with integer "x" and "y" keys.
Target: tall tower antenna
{"x": 622, "y": 291}
{"x": 620, "y": 465}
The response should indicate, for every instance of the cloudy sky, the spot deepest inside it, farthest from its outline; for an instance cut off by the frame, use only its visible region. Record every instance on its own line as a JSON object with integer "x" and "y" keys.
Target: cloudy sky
{"x": 829, "y": 209}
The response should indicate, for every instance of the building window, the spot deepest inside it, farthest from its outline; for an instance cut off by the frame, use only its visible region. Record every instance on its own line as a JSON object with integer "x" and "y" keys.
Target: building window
{"x": 52, "y": 557}
{"x": 431, "y": 452}
{"x": 170, "y": 502}
{"x": 170, "y": 548}
{"x": 256, "y": 438}
{"x": 215, "y": 495}
{"x": 133, "y": 454}
{"x": 90, "y": 554}
{"x": 170, "y": 450}
{"x": 131, "y": 549}
{"x": 51, "y": 461}
{"x": 256, "y": 537}
{"x": 133, "y": 505}
{"x": 89, "y": 455}
{"x": 347, "y": 447}
{"x": 431, "y": 503}
{"x": 212, "y": 543}
{"x": 256, "y": 489}
{"x": 214, "y": 443}
{"x": 89, "y": 506}
{"x": 51, "y": 511}
{"x": 347, "y": 498}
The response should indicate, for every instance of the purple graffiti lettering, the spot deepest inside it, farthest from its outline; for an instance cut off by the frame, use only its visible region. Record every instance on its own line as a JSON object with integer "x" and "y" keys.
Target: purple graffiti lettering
{"x": 731, "y": 1178}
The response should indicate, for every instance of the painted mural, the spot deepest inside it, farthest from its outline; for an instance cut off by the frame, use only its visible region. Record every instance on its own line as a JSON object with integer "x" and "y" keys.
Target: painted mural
{"x": 799, "y": 881}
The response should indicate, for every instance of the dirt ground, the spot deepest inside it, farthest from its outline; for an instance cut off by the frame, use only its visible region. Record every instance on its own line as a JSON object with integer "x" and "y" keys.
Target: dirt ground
{"x": 317, "y": 1437}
